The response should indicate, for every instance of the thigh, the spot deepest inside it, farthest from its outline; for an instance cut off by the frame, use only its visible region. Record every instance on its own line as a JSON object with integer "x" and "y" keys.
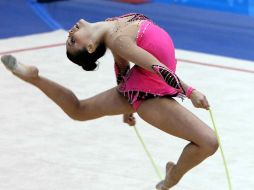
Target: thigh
{"x": 110, "y": 102}
{"x": 171, "y": 117}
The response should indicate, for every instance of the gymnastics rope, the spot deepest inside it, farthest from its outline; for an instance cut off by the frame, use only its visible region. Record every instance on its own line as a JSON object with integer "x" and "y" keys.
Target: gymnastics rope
{"x": 148, "y": 153}
{"x": 221, "y": 150}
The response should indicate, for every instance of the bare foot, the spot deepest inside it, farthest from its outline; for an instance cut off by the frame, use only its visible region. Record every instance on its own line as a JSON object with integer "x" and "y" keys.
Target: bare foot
{"x": 24, "y": 72}
{"x": 165, "y": 184}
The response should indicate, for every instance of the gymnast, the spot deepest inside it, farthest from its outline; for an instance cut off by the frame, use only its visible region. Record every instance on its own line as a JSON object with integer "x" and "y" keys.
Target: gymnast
{"x": 148, "y": 88}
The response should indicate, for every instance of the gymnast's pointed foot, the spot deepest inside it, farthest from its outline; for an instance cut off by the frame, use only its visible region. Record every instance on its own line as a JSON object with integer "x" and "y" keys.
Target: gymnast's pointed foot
{"x": 27, "y": 73}
{"x": 167, "y": 183}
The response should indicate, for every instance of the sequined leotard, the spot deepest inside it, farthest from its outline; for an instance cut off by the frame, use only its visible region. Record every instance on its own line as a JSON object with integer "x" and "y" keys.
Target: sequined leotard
{"x": 139, "y": 84}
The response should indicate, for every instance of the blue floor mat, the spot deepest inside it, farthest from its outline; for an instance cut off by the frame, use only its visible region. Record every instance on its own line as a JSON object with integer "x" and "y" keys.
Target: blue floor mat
{"x": 193, "y": 29}
{"x": 18, "y": 18}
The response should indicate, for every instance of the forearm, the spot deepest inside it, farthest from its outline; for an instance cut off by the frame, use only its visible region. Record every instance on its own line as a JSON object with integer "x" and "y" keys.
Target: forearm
{"x": 187, "y": 88}
{"x": 198, "y": 99}
{"x": 184, "y": 85}
{"x": 120, "y": 71}
{"x": 169, "y": 77}
{"x": 172, "y": 80}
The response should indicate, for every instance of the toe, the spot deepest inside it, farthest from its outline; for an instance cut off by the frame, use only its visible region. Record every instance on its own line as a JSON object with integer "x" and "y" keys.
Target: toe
{"x": 158, "y": 186}
{"x": 9, "y": 61}
{"x": 161, "y": 186}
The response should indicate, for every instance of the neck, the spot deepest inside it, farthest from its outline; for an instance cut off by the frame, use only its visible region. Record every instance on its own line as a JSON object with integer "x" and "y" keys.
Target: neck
{"x": 100, "y": 31}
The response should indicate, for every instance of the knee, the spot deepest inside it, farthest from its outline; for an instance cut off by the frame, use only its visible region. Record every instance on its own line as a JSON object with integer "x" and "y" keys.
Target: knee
{"x": 83, "y": 113}
{"x": 76, "y": 113}
{"x": 211, "y": 145}
{"x": 77, "y": 117}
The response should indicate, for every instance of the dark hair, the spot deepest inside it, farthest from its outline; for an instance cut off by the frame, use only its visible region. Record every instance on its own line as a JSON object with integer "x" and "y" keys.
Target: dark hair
{"x": 87, "y": 60}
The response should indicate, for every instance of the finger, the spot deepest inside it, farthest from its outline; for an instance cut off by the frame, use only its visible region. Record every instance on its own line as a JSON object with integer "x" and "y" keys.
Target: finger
{"x": 131, "y": 117}
{"x": 208, "y": 105}
{"x": 125, "y": 120}
{"x": 131, "y": 124}
{"x": 132, "y": 121}
{"x": 205, "y": 104}
{"x": 199, "y": 104}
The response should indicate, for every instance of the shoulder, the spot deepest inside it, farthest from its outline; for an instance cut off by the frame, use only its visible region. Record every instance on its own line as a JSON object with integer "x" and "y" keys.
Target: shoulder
{"x": 122, "y": 43}
{"x": 124, "y": 39}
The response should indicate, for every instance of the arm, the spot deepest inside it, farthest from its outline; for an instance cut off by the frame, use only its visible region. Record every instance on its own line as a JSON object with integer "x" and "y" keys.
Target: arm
{"x": 127, "y": 48}
{"x": 121, "y": 67}
{"x": 198, "y": 99}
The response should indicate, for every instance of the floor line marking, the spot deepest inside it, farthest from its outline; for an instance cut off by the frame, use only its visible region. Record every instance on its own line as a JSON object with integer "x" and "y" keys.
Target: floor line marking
{"x": 32, "y": 48}
{"x": 180, "y": 60}
{"x": 217, "y": 66}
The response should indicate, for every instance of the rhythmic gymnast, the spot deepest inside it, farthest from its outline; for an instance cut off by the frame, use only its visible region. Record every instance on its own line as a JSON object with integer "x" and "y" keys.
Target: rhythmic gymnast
{"x": 147, "y": 88}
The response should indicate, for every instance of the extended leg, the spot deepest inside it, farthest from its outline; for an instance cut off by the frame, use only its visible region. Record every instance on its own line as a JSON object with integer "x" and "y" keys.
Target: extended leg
{"x": 109, "y": 102}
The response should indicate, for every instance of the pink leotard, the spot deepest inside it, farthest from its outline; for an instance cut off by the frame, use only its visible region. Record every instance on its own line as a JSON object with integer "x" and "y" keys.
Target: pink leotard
{"x": 140, "y": 84}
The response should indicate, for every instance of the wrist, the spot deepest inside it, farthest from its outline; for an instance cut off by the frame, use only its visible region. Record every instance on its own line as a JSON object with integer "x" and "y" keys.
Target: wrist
{"x": 189, "y": 92}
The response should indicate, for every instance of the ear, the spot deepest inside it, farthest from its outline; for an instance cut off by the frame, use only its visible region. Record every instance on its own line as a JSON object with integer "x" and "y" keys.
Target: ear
{"x": 90, "y": 48}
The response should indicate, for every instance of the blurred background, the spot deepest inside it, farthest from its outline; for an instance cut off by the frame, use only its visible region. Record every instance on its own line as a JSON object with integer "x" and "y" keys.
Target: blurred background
{"x": 42, "y": 149}
{"x": 222, "y": 27}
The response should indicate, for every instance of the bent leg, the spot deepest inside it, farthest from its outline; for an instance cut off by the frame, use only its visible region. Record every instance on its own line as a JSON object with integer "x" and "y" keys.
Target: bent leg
{"x": 169, "y": 116}
{"x": 110, "y": 102}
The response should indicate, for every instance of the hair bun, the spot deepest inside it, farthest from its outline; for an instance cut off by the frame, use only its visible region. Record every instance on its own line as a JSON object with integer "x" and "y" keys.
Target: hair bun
{"x": 90, "y": 66}
{"x": 88, "y": 61}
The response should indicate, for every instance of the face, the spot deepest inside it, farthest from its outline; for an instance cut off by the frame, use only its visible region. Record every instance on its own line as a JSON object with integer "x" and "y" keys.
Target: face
{"x": 79, "y": 37}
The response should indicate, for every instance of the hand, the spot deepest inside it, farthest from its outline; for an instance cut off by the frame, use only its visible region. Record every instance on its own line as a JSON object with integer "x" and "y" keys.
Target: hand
{"x": 199, "y": 100}
{"x": 129, "y": 119}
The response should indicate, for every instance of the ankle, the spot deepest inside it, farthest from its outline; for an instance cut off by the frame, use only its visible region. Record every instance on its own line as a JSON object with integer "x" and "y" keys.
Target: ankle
{"x": 35, "y": 80}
